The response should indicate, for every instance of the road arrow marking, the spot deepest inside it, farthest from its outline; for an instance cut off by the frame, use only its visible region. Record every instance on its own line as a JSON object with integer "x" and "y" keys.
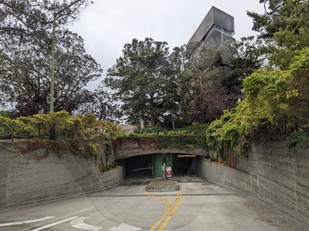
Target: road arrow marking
{"x": 124, "y": 227}
{"x": 79, "y": 224}
{"x": 53, "y": 224}
{"x": 25, "y": 222}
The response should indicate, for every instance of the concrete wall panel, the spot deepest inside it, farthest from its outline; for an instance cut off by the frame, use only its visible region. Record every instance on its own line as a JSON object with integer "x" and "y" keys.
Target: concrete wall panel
{"x": 24, "y": 179}
{"x": 273, "y": 173}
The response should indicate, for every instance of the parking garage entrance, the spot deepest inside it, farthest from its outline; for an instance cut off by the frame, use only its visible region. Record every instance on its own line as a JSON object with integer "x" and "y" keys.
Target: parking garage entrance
{"x": 151, "y": 165}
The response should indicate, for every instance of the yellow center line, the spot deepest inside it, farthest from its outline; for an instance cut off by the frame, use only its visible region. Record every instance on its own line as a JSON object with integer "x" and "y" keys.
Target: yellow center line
{"x": 178, "y": 201}
{"x": 162, "y": 218}
{"x": 165, "y": 201}
{"x": 169, "y": 213}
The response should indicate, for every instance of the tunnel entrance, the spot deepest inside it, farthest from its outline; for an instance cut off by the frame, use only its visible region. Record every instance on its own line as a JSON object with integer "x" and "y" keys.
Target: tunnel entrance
{"x": 182, "y": 165}
{"x": 138, "y": 166}
{"x": 151, "y": 165}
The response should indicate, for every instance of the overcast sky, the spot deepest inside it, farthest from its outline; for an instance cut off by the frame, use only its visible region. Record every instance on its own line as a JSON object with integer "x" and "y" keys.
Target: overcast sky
{"x": 107, "y": 25}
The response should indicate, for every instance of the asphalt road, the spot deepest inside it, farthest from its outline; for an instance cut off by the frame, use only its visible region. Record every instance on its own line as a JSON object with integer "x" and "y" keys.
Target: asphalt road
{"x": 199, "y": 205}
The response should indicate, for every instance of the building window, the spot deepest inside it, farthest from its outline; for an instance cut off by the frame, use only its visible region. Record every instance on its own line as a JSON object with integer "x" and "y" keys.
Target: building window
{"x": 217, "y": 28}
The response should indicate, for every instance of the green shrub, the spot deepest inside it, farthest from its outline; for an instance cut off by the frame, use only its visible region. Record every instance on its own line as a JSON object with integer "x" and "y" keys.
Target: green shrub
{"x": 274, "y": 101}
{"x": 298, "y": 139}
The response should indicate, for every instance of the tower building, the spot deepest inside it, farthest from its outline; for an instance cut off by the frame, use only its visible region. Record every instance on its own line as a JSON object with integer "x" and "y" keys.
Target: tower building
{"x": 216, "y": 28}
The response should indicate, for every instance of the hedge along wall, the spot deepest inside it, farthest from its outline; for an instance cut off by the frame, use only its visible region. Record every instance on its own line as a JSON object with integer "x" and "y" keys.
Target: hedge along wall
{"x": 42, "y": 174}
{"x": 273, "y": 173}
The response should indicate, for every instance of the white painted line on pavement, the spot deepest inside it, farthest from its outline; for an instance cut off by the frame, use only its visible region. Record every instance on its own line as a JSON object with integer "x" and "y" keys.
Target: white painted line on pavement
{"x": 124, "y": 227}
{"x": 11, "y": 223}
{"x": 53, "y": 224}
{"x": 25, "y": 222}
{"x": 37, "y": 220}
{"x": 79, "y": 224}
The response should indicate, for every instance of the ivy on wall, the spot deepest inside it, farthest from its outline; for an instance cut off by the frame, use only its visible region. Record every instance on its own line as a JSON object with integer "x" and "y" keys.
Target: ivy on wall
{"x": 65, "y": 125}
{"x": 275, "y": 102}
{"x": 188, "y": 142}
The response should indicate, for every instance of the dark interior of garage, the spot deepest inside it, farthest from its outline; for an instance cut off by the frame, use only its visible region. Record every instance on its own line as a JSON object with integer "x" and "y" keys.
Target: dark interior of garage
{"x": 138, "y": 166}
{"x": 150, "y": 165}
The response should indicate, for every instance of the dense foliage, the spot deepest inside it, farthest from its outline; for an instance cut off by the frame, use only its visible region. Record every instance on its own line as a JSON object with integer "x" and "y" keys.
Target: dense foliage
{"x": 185, "y": 142}
{"x": 276, "y": 98}
{"x": 209, "y": 105}
{"x": 26, "y": 78}
{"x": 275, "y": 101}
{"x": 154, "y": 87}
{"x": 268, "y": 77}
{"x": 159, "y": 88}
{"x": 66, "y": 126}
{"x": 139, "y": 78}
{"x": 284, "y": 29}
{"x": 198, "y": 129}
{"x": 25, "y": 64}
{"x": 101, "y": 104}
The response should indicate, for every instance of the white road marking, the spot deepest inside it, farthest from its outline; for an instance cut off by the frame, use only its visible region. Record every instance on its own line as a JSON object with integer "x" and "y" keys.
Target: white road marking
{"x": 37, "y": 220}
{"x": 25, "y": 222}
{"x": 11, "y": 223}
{"x": 124, "y": 227}
{"x": 53, "y": 224}
{"x": 79, "y": 224}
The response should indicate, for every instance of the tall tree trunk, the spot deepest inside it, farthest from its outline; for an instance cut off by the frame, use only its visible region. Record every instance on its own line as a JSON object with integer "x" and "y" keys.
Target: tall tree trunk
{"x": 153, "y": 121}
{"x": 173, "y": 121}
{"x": 141, "y": 121}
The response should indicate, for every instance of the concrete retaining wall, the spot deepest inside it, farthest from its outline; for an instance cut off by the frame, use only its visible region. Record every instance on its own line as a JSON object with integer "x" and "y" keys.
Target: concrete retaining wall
{"x": 25, "y": 179}
{"x": 273, "y": 173}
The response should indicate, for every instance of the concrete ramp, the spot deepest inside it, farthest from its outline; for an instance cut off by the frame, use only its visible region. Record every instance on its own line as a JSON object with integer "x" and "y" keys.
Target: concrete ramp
{"x": 162, "y": 186}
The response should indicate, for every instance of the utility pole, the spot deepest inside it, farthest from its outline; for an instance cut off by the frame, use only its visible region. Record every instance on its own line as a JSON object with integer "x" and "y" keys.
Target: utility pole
{"x": 52, "y": 67}
{"x": 52, "y": 132}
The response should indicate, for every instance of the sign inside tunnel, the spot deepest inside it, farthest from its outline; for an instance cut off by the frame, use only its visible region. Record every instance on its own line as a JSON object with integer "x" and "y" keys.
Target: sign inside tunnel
{"x": 187, "y": 155}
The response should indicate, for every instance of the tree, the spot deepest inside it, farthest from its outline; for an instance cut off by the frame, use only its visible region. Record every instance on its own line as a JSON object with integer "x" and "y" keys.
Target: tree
{"x": 178, "y": 97}
{"x": 299, "y": 69}
{"x": 101, "y": 104}
{"x": 209, "y": 75}
{"x": 25, "y": 49}
{"x": 67, "y": 126}
{"x": 276, "y": 98}
{"x": 25, "y": 75}
{"x": 32, "y": 20}
{"x": 246, "y": 58}
{"x": 59, "y": 121}
{"x": 283, "y": 28}
{"x": 275, "y": 102}
{"x": 209, "y": 105}
{"x": 12, "y": 127}
{"x": 139, "y": 79}
{"x": 171, "y": 89}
